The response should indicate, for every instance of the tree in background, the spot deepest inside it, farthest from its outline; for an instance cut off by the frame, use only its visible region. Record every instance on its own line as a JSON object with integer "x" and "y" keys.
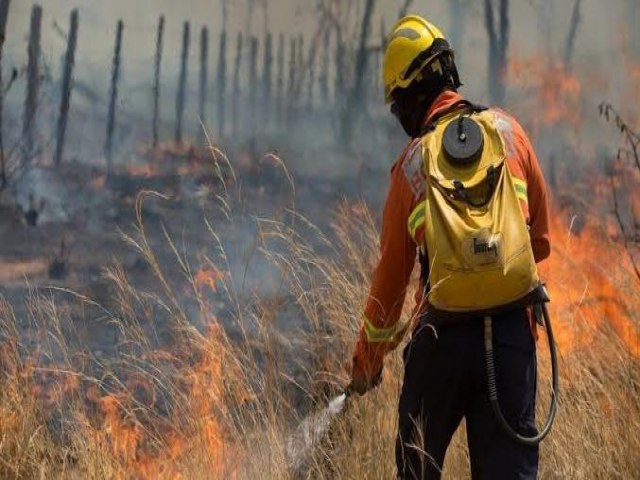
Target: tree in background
{"x": 498, "y": 47}
{"x": 457, "y": 26}
{"x": 356, "y": 95}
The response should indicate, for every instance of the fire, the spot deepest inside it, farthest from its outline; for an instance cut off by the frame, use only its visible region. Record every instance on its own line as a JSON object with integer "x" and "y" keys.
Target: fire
{"x": 98, "y": 182}
{"x": 145, "y": 170}
{"x": 17, "y": 271}
{"x": 52, "y": 387}
{"x": 557, "y": 91}
{"x": 208, "y": 277}
{"x": 125, "y": 433}
{"x": 146, "y": 427}
{"x": 593, "y": 287}
{"x": 592, "y": 281}
{"x": 185, "y": 169}
{"x": 201, "y": 387}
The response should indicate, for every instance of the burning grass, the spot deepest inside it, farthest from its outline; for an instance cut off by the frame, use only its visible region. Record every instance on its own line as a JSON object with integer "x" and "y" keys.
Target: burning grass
{"x": 203, "y": 406}
{"x": 208, "y": 383}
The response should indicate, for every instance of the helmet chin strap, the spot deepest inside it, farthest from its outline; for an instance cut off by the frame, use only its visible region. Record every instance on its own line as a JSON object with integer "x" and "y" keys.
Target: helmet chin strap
{"x": 411, "y": 110}
{"x": 411, "y": 117}
{"x": 410, "y": 104}
{"x": 455, "y": 76}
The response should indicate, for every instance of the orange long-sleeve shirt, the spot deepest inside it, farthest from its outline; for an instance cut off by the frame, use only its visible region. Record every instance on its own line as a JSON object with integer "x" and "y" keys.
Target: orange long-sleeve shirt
{"x": 401, "y": 235}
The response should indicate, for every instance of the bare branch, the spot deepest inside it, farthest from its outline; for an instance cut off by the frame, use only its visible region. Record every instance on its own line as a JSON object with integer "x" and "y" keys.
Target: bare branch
{"x": 632, "y": 138}
{"x": 621, "y": 225}
{"x": 633, "y": 141}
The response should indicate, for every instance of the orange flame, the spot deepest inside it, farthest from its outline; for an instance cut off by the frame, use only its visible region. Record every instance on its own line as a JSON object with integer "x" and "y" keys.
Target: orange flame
{"x": 557, "y": 91}
{"x": 145, "y": 170}
{"x": 208, "y": 277}
{"x": 593, "y": 288}
{"x": 127, "y": 422}
{"x": 98, "y": 182}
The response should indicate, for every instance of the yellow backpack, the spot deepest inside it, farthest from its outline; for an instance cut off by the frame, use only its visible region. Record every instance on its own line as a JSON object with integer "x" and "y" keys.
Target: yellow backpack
{"x": 476, "y": 237}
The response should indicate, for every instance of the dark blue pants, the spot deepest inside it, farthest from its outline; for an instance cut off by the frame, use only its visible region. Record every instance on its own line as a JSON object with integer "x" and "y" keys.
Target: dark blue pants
{"x": 445, "y": 381}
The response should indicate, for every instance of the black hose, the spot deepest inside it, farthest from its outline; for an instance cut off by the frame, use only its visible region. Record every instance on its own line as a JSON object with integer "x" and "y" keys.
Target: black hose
{"x": 493, "y": 389}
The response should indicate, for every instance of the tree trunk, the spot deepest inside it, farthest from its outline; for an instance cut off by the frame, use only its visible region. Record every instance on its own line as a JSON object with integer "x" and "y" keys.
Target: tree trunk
{"x": 498, "y": 47}
{"x": 458, "y": 24}
{"x": 355, "y": 102}
{"x": 72, "y": 40}
{"x": 571, "y": 36}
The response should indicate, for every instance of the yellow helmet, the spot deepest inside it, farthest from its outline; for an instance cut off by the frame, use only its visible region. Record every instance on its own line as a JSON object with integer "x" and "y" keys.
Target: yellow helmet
{"x": 411, "y": 46}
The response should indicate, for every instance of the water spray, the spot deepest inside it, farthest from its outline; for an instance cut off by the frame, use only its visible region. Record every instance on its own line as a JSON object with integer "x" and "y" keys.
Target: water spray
{"x": 312, "y": 430}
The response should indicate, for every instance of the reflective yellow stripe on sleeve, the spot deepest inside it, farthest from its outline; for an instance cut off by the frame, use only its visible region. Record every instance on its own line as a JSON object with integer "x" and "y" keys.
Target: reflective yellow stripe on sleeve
{"x": 378, "y": 335}
{"x": 521, "y": 189}
{"x": 416, "y": 219}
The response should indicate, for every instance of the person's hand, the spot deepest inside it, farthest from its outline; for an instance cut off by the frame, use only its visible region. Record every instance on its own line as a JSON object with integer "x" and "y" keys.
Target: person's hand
{"x": 363, "y": 381}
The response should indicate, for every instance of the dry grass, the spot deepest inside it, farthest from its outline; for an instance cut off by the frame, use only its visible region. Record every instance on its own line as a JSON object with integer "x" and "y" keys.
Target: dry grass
{"x": 178, "y": 397}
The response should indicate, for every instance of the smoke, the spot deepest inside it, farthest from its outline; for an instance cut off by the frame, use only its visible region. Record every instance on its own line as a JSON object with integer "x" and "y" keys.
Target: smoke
{"x": 284, "y": 88}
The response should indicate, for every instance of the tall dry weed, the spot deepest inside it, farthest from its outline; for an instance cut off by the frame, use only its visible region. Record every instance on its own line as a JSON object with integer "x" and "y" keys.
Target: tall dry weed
{"x": 193, "y": 390}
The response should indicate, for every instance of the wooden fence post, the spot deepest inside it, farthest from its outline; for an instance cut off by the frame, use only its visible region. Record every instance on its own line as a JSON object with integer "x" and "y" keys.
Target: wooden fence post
{"x": 156, "y": 82}
{"x": 312, "y": 77}
{"x": 222, "y": 82}
{"x": 280, "y": 86}
{"x": 182, "y": 82}
{"x": 267, "y": 71}
{"x": 338, "y": 91}
{"x": 253, "y": 83}
{"x": 236, "y": 86}
{"x": 67, "y": 86}
{"x": 204, "y": 80}
{"x": 4, "y": 14}
{"x": 324, "y": 74}
{"x": 299, "y": 68}
{"x": 292, "y": 79}
{"x": 111, "y": 120}
{"x": 33, "y": 84}
{"x": 383, "y": 47}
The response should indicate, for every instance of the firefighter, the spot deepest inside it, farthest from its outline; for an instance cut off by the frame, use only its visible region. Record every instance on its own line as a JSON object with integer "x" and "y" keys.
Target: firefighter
{"x": 445, "y": 379}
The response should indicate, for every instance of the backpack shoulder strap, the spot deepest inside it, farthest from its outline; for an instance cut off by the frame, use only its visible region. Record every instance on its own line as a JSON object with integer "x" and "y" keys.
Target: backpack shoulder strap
{"x": 466, "y": 104}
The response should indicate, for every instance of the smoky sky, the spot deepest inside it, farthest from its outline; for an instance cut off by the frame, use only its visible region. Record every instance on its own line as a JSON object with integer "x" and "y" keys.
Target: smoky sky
{"x": 536, "y": 25}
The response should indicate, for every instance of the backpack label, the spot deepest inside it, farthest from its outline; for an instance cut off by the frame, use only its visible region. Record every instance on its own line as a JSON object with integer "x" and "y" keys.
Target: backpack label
{"x": 484, "y": 248}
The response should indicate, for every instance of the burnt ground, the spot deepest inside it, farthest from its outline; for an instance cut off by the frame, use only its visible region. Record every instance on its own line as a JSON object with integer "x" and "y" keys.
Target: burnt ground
{"x": 61, "y": 228}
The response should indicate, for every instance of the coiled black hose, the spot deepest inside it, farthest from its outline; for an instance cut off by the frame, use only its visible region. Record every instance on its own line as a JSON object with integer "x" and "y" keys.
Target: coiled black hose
{"x": 493, "y": 389}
